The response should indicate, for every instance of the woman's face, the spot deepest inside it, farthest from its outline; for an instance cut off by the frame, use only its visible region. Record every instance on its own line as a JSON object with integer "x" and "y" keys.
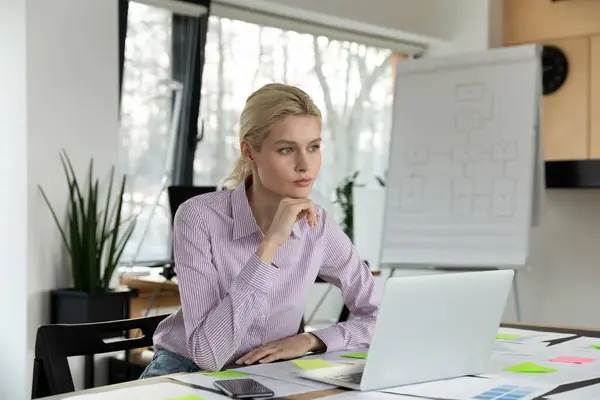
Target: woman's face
{"x": 290, "y": 156}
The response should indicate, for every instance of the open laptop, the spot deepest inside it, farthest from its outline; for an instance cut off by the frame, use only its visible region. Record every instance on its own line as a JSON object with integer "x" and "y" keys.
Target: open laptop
{"x": 428, "y": 328}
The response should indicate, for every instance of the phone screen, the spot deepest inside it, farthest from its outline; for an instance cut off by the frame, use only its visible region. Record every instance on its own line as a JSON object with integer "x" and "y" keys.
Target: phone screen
{"x": 242, "y": 388}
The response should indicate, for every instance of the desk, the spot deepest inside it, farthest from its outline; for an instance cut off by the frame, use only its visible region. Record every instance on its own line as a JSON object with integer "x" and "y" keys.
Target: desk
{"x": 324, "y": 393}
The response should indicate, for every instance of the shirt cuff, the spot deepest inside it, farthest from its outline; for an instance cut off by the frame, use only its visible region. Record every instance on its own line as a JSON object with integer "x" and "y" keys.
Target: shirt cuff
{"x": 332, "y": 338}
{"x": 258, "y": 274}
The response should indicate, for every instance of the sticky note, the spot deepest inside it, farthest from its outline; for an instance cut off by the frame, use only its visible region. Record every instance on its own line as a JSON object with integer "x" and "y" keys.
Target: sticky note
{"x": 227, "y": 374}
{"x": 573, "y": 360}
{"x": 186, "y": 397}
{"x": 312, "y": 364}
{"x": 596, "y": 346}
{"x": 361, "y": 355}
{"x": 506, "y": 336}
{"x": 529, "y": 368}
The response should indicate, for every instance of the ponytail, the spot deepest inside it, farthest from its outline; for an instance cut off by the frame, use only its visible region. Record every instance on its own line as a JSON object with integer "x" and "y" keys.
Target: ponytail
{"x": 240, "y": 172}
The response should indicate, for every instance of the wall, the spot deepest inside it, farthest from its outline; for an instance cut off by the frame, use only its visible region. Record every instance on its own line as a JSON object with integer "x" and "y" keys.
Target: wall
{"x": 13, "y": 210}
{"x": 68, "y": 71}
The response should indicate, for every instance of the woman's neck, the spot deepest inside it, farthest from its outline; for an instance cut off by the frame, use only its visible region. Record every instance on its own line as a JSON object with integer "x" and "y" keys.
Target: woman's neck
{"x": 263, "y": 204}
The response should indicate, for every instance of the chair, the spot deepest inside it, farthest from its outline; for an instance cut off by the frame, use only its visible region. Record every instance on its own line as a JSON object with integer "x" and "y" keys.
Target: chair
{"x": 55, "y": 343}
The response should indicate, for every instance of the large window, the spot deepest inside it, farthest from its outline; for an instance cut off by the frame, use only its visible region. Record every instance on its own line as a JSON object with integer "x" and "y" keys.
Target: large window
{"x": 351, "y": 82}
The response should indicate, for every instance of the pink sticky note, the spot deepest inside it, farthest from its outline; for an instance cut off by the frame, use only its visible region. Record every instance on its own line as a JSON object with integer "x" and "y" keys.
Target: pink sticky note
{"x": 573, "y": 360}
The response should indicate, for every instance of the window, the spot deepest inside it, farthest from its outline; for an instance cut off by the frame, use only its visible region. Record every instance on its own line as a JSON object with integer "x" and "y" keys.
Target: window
{"x": 351, "y": 82}
{"x": 159, "y": 69}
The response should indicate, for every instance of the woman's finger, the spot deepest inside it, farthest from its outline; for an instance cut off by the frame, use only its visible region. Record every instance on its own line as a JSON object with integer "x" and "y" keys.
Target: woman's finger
{"x": 272, "y": 357}
{"x": 247, "y": 355}
{"x": 260, "y": 354}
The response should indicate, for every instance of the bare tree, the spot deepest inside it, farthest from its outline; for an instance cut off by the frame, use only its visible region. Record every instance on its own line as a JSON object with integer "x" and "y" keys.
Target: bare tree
{"x": 346, "y": 125}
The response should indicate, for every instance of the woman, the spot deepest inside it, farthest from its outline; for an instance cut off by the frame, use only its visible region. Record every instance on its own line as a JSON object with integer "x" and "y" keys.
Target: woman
{"x": 248, "y": 256}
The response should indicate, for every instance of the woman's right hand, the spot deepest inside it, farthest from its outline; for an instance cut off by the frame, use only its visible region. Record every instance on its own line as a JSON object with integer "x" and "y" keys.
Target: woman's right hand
{"x": 288, "y": 213}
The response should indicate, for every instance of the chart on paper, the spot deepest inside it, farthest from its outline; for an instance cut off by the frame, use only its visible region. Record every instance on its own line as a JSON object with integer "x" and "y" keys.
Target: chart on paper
{"x": 461, "y": 174}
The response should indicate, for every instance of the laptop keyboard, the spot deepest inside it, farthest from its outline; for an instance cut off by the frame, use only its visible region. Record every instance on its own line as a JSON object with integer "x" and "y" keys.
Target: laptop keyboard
{"x": 354, "y": 377}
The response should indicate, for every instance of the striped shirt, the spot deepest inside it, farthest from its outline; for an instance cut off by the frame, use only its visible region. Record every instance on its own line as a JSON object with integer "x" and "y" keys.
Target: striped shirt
{"x": 232, "y": 302}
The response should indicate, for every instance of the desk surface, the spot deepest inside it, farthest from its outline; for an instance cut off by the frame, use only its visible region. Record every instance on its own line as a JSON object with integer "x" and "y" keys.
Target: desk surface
{"x": 323, "y": 393}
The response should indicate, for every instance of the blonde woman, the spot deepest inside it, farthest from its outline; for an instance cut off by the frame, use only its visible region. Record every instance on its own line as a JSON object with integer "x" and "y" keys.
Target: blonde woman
{"x": 247, "y": 257}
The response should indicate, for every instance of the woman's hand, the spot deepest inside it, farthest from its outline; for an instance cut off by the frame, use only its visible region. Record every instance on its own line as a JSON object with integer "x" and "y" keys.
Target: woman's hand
{"x": 292, "y": 347}
{"x": 288, "y": 213}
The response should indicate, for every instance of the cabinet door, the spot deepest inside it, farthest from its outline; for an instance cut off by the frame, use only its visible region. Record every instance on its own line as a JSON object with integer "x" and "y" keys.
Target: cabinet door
{"x": 595, "y": 97}
{"x": 566, "y": 111}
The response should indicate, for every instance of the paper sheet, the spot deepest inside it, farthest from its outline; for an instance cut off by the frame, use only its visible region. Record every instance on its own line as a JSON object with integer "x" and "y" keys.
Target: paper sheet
{"x": 528, "y": 336}
{"x": 280, "y": 388}
{"x": 565, "y": 372}
{"x": 355, "y": 395}
{"x": 589, "y": 392}
{"x": 475, "y": 388}
{"x": 156, "y": 391}
{"x": 284, "y": 371}
{"x": 527, "y": 349}
{"x": 581, "y": 343}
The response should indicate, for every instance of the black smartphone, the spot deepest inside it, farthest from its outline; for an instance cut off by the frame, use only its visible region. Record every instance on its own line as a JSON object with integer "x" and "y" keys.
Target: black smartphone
{"x": 243, "y": 388}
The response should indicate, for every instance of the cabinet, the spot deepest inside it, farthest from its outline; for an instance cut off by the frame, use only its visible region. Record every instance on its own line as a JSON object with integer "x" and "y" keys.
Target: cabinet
{"x": 532, "y": 21}
{"x": 565, "y": 123}
{"x": 595, "y": 97}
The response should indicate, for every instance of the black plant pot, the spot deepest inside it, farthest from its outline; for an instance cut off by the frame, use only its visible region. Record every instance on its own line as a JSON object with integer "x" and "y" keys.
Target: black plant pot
{"x": 69, "y": 306}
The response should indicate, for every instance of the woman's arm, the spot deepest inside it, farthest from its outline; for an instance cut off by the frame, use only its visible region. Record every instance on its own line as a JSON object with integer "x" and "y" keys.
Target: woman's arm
{"x": 215, "y": 326}
{"x": 343, "y": 268}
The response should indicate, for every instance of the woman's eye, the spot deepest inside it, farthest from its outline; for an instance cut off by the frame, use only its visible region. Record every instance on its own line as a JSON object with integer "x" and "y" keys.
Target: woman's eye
{"x": 285, "y": 151}
{"x": 315, "y": 148}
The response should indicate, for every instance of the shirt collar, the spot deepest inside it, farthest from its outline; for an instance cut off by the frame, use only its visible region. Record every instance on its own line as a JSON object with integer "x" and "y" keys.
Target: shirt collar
{"x": 244, "y": 223}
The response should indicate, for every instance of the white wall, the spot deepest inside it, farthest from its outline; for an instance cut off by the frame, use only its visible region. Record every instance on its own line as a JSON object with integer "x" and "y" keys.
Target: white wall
{"x": 68, "y": 70}
{"x": 13, "y": 209}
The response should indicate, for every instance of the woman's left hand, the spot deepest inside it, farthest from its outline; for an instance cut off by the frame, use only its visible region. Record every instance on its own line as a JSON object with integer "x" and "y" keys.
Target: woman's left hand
{"x": 292, "y": 347}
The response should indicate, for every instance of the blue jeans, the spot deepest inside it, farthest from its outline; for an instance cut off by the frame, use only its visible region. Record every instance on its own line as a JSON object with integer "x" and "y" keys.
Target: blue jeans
{"x": 165, "y": 362}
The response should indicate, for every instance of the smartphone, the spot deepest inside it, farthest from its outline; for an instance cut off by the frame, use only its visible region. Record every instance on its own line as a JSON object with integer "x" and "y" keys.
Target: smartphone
{"x": 243, "y": 388}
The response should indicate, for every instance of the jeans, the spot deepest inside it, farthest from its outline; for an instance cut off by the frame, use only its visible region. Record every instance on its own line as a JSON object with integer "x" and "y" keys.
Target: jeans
{"x": 165, "y": 362}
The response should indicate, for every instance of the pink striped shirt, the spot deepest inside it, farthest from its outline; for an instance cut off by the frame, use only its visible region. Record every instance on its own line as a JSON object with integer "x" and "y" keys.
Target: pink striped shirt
{"x": 232, "y": 302}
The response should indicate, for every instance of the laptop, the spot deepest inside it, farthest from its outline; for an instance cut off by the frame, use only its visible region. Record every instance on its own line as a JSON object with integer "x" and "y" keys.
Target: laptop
{"x": 428, "y": 328}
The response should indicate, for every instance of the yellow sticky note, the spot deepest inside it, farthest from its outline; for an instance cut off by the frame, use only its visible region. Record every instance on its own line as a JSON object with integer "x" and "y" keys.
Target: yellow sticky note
{"x": 530, "y": 368}
{"x": 312, "y": 364}
{"x": 186, "y": 397}
{"x": 506, "y": 336}
{"x": 227, "y": 374}
{"x": 361, "y": 355}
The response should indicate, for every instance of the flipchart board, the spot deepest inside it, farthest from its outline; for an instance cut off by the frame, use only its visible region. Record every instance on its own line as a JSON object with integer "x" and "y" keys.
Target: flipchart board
{"x": 465, "y": 177}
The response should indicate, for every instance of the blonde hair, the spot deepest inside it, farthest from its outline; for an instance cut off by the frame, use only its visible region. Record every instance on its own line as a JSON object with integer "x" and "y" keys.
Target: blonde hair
{"x": 266, "y": 106}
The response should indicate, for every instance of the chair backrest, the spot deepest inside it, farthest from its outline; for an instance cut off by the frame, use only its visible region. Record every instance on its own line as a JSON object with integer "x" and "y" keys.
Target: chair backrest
{"x": 179, "y": 194}
{"x": 55, "y": 343}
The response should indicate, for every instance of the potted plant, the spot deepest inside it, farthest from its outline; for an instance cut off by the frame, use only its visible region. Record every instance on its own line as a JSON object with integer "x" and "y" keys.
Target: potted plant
{"x": 343, "y": 194}
{"x": 94, "y": 237}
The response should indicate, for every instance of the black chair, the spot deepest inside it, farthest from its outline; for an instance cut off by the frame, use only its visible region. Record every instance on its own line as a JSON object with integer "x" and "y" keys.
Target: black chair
{"x": 55, "y": 343}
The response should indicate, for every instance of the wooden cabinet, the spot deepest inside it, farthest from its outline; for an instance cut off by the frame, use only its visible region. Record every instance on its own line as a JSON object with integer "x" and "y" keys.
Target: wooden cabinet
{"x": 566, "y": 112}
{"x": 595, "y": 97}
{"x": 532, "y": 21}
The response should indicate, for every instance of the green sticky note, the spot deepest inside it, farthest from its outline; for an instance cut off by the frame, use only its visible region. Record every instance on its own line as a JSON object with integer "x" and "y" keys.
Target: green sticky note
{"x": 312, "y": 364}
{"x": 596, "y": 346}
{"x": 186, "y": 397}
{"x": 361, "y": 355}
{"x": 506, "y": 336}
{"x": 227, "y": 374}
{"x": 529, "y": 368}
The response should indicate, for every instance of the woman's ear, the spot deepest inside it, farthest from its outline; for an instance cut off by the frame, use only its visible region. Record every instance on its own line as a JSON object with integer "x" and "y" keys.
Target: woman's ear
{"x": 246, "y": 152}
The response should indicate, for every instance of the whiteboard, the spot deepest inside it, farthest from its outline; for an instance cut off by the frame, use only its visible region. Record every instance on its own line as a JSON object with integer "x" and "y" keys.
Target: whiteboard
{"x": 465, "y": 160}
{"x": 368, "y": 222}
